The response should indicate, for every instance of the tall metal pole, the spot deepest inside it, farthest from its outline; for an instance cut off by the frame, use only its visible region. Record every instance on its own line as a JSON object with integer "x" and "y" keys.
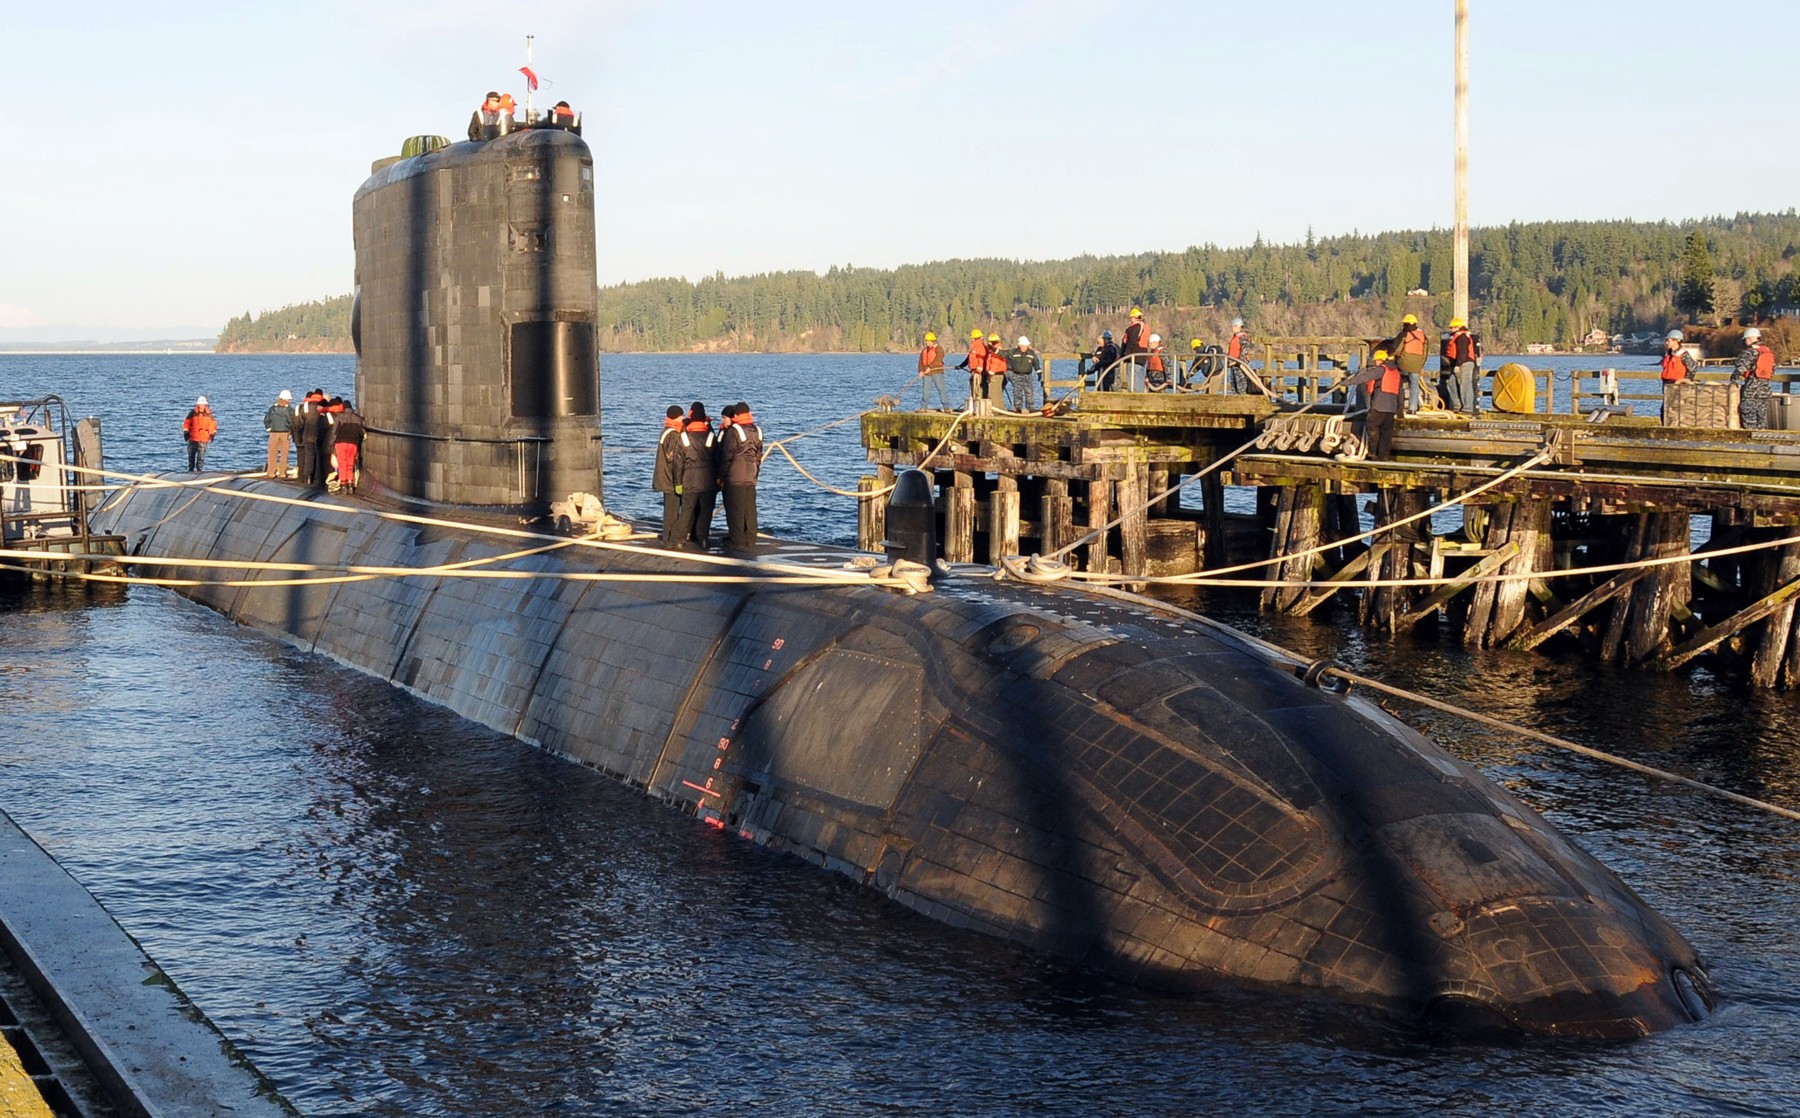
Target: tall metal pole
{"x": 528, "y": 117}
{"x": 1459, "y": 302}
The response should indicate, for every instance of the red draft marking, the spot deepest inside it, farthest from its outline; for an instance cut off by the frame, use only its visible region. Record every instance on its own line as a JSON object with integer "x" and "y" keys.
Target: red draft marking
{"x": 718, "y": 763}
{"x": 766, "y": 664}
{"x": 712, "y": 821}
{"x": 725, "y": 743}
{"x": 697, "y": 788}
{"x": 779, "y": 641}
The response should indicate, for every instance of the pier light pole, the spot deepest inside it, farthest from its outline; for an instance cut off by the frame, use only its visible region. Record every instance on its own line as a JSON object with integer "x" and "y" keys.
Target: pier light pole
{"x": 1459, "y": 297}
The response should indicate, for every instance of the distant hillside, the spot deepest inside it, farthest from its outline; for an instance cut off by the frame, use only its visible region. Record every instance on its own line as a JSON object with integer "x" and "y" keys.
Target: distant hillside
{"x": 317, "y": 327}
{"x": 1530, "y": 282}
{"x": 1538, "y": 282}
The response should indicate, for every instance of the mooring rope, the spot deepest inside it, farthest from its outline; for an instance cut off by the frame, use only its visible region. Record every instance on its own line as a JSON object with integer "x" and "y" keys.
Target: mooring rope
{"x": 1334, "y": 671}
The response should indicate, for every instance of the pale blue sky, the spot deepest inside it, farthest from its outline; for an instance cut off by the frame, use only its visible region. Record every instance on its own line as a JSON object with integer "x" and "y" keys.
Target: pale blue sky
{"x": 167, "y": 166}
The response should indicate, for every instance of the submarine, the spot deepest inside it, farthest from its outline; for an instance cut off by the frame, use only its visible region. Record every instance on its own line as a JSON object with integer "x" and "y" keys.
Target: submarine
{"x": 1097, "y": 776}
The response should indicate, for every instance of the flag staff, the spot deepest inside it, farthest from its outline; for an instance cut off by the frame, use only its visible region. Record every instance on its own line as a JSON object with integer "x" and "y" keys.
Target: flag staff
{"x": 530, "y": 82}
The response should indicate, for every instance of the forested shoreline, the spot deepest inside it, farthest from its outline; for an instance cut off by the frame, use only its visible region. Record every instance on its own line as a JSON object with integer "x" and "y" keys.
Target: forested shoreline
{"x": 1543, "y": 282}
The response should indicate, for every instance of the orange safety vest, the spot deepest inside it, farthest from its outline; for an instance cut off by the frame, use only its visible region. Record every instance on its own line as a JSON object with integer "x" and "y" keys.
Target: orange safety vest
{"x": 1154, "y": 363}
{"x": 931, "y": 359}
{"x": 1390, "y": 379}
{"x": 1765, "y": 362}
{"x": 1412, "y": 341}
{"x": 1673, "y": 367}
{"x": 1235, "y": 347}
{"x": 977, "y": 356}
{"x": 996, "y": 362}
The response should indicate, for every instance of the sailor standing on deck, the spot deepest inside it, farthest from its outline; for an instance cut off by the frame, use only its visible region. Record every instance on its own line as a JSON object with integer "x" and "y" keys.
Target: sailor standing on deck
{"x": 489, "y": 121}
{"x": 1677, "y": 365}
{"x": 1131, "y": 347}
{"x": 666, "y": 477}
{"x": 699, "y": 480}
{"x": 1383, "y": 378}
{"x": 310, "y": 440}
{"x": 278, "y": 421}
{"x": 741, "y": 458}
{"x": 1236, "y": 346}
{"x": 931, "y": 376}
{"x": 1754, "y": 368}
{"x": 1106, "y": 363}
{"x": 346, "y": 443}
{"x": 1023, "y": 367}
{"x": 198, "y": 430}
{"x": 1408, "y": 348}
{"x": 976, "y": 363}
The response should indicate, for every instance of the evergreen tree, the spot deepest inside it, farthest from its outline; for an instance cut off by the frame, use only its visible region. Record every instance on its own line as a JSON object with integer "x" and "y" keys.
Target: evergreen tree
{"x": 1695, "y": 298}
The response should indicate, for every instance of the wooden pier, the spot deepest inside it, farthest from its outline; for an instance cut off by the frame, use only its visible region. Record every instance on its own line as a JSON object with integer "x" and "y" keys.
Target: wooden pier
{"x": 1624, "y": 494}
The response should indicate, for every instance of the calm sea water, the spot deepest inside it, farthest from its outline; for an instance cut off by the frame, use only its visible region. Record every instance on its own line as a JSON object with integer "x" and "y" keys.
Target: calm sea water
{"x": 395, "y": 912}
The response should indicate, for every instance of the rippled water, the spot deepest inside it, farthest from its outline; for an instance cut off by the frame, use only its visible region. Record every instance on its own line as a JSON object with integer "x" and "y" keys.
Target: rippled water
{"x": 395, "y": 912}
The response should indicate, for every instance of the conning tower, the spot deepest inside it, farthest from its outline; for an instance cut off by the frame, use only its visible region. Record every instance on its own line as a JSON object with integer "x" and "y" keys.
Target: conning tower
{"x": 476, "y": 300}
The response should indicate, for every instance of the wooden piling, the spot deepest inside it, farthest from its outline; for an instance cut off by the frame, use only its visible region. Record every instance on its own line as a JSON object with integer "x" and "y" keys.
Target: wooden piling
{"x": 1385, "y": 606}
{"x": 1772, "y": 661}
{"x": 1497, "y": 610}
{"x": 959, "y": 519}
{"x": 871, "y": 515}
{"x": 1134, "y": 528}
{"x": 1003, "y": 520}
{"x": 1057, "y": 518}
{"x": 1299, "y": 528}
{"x": 1099, "y": 511}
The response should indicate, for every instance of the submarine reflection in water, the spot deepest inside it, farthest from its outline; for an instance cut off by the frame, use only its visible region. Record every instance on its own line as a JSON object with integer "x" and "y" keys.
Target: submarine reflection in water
{"x": 1100, "y": 777}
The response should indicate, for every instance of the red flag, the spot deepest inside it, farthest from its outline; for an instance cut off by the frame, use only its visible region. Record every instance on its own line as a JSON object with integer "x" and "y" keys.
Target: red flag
{"x": 530, "y": 78}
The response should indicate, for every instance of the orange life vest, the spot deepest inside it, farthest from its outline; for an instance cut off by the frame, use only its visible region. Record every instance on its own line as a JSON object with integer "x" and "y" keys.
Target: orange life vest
{"x": 1765, "y": 362}
{"x": 996, "y": 362}
{"x": 1235, "y": 347}
{"x": 1674, "y": 368}
{"x": 978, "y": 356}
{"x": 201, "y": 427}
{"x": 1389, "y": 384}
{"x": 931, "y": 359}
{"x": 1154, "y": 363}
{"x": 1412, "y": 341}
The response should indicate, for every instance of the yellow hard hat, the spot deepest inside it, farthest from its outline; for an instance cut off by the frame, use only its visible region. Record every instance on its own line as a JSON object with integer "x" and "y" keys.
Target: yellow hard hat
{"x": 975, "y": 334}
{"x": 993, "y": 337}
{"x": 1410, "y": 320}
{"x": 1135, "y": 313}
{"x": 930, "y": 337}
{"x": 1381, "y": 355}
{"x": 1457, "y": 324}
{"x": 1195, "y": 343}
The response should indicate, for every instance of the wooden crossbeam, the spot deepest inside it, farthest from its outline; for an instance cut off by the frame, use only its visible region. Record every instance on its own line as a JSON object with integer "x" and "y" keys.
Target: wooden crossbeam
{"x": 1437, "y": 598}
{"x": 1572, "y": 612}
{"x": 1318, "y": 596}
{"x": 1707, "y": 639}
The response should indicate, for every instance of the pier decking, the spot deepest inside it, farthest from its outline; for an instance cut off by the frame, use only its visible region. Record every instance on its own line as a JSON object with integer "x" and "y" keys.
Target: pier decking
{"x": 1595, "y": 541}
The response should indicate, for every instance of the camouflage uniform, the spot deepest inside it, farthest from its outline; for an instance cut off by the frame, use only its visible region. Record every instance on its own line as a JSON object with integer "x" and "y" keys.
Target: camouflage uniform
{"x": 1753, "y": 403}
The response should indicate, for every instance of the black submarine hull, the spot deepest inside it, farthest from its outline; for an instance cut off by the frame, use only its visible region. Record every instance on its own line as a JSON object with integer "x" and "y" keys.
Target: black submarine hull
{"x": 1100, "y": 778}
{"x": 1097, "y": 777}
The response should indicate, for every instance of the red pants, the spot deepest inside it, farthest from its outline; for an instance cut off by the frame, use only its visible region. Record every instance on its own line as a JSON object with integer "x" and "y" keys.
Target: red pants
{"x": 346, "y": 463}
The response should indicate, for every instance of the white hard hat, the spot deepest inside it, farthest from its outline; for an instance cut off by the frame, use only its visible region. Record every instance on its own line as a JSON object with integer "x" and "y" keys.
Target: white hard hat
{"x": 285, "y": 395}
{"x": 1752, "y": 334}
{"x": 1023, "y": 340}
{"x": 1155, "y": 338}
{"x": 1676, "y": 335}
{"x": 1237, "y": 322}
{"x": 200, "y": 403}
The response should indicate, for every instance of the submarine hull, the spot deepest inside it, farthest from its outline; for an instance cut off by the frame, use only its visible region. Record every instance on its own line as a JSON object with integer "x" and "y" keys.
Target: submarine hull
{"x": 1109, "y": 781}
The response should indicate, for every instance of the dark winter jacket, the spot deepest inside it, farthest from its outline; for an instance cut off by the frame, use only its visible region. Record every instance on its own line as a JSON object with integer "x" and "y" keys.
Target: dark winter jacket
{"x": 742, "y": 446}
